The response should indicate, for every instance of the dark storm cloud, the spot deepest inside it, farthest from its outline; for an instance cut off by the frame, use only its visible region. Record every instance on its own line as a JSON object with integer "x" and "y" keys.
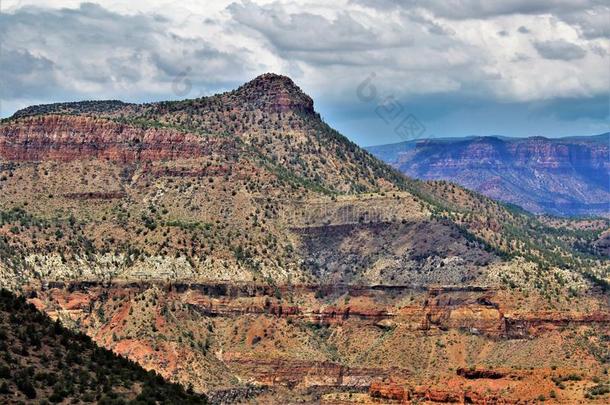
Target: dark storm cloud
{"x": 571, "y": 109}
{"x": 308, "y": 32}
{"x": 23, "y": 74}
{"x": 591, "y": 17}
{"x": 345, "y": 41}
{"x": 473, "y": 9}
{"x": 593, "y": 22}
{"x": 90, "y": 52}
{"x": 559, "y": 50}
{"x": 412, "y": 52}
{"x": 446, "y": 61}
{"x": 452, "y": 115}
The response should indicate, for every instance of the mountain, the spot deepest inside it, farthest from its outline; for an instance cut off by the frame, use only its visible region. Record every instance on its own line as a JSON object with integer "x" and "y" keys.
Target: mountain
{"x": 238, "y": 244}
{"x": 42, "y": 360}
{"x": 564, "y": 176}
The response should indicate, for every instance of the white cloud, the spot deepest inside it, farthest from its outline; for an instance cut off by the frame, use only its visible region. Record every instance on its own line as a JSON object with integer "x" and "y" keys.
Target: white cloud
{"x": 92, "y": 52}
{"x": 509, "y": 51}
{"x": 480, "y": 48}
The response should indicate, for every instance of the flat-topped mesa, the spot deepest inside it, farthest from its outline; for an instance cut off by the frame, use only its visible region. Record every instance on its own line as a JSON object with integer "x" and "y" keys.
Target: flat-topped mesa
{"x": 275, "y": 93}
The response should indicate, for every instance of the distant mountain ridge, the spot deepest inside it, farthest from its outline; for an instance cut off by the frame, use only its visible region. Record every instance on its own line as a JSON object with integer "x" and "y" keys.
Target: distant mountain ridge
{"x": 562, "y": 176}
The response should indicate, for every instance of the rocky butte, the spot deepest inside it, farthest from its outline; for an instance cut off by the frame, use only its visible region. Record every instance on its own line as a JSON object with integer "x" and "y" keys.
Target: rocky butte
{"x": 239, "y": 245}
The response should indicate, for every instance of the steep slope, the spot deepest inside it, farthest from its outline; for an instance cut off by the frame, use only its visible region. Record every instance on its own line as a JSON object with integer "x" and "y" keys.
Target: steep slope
{"x": 42, "y": 360}
{"x": 272, "y": 116}
{"x": 256, "y": 160}
{"x": 239, "y": 244}
{"x": 566, "y": 176}
{"x": 240, "y": 186}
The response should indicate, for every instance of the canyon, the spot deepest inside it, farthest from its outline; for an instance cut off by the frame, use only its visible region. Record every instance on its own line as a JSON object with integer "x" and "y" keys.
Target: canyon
{"x": 374, "y": 342}
{"x": 238, "y": 245}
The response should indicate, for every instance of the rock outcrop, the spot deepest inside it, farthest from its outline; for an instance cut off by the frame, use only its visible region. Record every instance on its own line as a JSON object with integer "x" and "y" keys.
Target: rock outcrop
{"x": 275, "y": 93}
{"x": 68, "y": 138}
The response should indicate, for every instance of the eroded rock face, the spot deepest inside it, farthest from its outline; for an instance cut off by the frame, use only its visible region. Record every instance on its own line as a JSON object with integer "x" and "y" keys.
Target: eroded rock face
{"x": 275, "y": 93}
{"x": 321, "y": 314}
{"x": 304, "y": 374}
{"x": 389, "y": 390}
{"x": 219, "y": 337}
{"x": 474, "y": 373}
{"x": 67, "y": 138}
{"x": 534, "y": 324}
{"x": 469, "y": 386}
{"x": 462, "y": 311}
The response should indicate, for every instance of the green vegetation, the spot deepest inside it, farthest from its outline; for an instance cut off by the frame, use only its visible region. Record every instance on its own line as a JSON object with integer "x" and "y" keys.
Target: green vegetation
{"x": 512, "y": 232}
{"x": 300, "y": 155}
{"x": 560, "y": 380}
{"x": 598, "y": 390}
{"x": 40, "y": 359}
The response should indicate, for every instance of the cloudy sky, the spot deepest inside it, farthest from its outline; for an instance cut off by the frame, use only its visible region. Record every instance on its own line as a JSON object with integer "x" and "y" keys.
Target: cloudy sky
{"x": 441, "y": 67}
